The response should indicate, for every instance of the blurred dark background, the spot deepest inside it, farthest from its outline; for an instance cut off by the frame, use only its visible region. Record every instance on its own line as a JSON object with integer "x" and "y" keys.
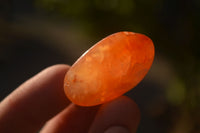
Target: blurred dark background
{"x": 35, "y": 34}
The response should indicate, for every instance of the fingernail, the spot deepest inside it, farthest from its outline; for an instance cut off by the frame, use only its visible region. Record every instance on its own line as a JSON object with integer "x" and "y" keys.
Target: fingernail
{"x": 117, "y": 129}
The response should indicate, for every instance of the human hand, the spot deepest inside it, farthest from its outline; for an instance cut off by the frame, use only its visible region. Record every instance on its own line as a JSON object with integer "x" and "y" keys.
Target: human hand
{"x": 40, "y": 104}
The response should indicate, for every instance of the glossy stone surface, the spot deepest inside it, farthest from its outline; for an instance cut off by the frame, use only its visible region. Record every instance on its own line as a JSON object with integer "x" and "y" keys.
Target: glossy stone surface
{"x": 109, "y": 69}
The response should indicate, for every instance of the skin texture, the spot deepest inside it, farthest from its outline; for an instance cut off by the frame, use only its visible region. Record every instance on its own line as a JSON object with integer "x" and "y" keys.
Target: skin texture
{"x": 40, "y": 104}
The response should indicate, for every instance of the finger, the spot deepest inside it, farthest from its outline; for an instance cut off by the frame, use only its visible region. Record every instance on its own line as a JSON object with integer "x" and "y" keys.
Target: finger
{"x": 118, "y": 116}
{"x": 74, "y": 119}
{"x": 122, "y": 113}
{"x": 34, "y": 102}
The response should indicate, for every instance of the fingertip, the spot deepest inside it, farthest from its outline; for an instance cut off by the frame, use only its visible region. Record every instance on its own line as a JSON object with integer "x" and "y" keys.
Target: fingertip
{"x": 73, "y": 119}
{"x": 122, "y": 112}
{"x": 52, "y": 74}
{"x": 58, "y": 69}
{"x": 35, "y": 101}
{"x": 117, "y": 129}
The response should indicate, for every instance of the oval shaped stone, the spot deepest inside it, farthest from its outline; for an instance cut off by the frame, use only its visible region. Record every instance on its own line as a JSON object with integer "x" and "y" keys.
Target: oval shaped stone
{"x": 109, "y": 69}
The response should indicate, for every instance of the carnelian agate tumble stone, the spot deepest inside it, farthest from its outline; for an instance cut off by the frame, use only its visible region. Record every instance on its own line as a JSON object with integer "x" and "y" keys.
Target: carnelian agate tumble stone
{"x": 109, "y": 69}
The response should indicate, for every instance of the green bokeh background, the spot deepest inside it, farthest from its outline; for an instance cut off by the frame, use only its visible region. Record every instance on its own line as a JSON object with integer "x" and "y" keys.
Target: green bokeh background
{"x": 38, "y": 33}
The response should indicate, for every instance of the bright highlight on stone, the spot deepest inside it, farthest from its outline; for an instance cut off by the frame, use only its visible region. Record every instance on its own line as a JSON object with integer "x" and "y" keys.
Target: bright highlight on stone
{"x": 109, "y": 69}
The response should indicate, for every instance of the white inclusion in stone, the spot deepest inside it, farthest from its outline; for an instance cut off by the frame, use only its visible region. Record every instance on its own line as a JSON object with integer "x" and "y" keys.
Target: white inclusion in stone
{"x": 104, "y": 48}
{"x": 125, "y": 32}
{"x": 67, "y": 84}
{"x": 88, "y": 59}
{"x": 85, "y": 91}
{"x": 73, "y": 96}
{"x": 128, "y": 33}
{"x": 98, "y": 56}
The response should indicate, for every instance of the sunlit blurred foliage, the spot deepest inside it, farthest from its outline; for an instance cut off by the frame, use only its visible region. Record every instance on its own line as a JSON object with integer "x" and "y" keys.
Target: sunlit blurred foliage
{"x": 64, "y": 7}
{"x": 80, "y": 7}
{"x": 176, "y": 92}
{"x": 103, "y": 14}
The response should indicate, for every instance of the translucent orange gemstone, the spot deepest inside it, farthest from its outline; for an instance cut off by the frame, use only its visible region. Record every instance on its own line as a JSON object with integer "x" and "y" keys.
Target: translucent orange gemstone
{"x": 109, "y": 69}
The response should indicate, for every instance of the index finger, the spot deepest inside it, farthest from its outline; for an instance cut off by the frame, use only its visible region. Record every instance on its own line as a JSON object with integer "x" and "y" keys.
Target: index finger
{"x": 34, "y": 102}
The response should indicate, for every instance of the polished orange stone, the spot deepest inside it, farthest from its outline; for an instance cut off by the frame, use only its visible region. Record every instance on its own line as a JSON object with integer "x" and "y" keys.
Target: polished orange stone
{"x": 109, "y": 69}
